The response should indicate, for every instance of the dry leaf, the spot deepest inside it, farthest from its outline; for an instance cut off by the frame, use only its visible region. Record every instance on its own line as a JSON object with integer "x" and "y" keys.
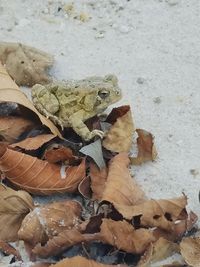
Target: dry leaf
{"x": 49, "y": 220}
{"x": 120, "y": 187}
{"x": 98, "y": 179}
{"x": 41, "y": 264}
{"x": 146, "y": 147}
{"x": 61, "y": 242}
{"x": 38, "y": 176}
{"x": 122, "y": 235}
{"x": 159, "y": 250}
{"x": 12, "y": 127}
{"x": 7, "y": 249}
{"x": 156, "y": 213}
{"x": 94, "y": 150}
{"x": 14, "y": 206}
{"x": 33, "y": 143}
{"x": 10, "y": 92}
{"x": 25, "y": 64}
{"x": 59, "y": 154}
{"x": 79, "y": 261}
{"x": 190, "y": 250}
{"x": 119, "y": 136}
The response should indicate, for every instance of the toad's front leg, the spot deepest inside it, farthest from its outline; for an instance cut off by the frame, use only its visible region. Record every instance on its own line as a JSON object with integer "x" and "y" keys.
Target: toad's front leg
{"x": 81, "y": 128}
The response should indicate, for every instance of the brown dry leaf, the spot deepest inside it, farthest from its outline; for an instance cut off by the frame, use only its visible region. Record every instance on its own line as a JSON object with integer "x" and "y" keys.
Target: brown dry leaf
{"x": 7, "y": 249}
{"x": 122, "y": 235}
{"x": 79, "y": 261}
{"x": 61, "y": 242}
{"x": 10, "y": 92}
{"x": 12, "y": 127}
{"x": 146, "y": 148}
{"x": 156, "y": 213}
{"x": 14, "y": 206}
{"x": 41, "y": 264}
{"x": 25, "y": 64}
{"x": 38, "y": 176}
{"x": 159, "y": 250}
{"x": 98, "y": 179}
{"x": 33, "y": 143}
{"x": 119, "y": 136}
{"x": 49, "y": 220}
{"x": 59, "y": 154}
{"x": 190, "y": 250}
{"x": 120, "y": 187}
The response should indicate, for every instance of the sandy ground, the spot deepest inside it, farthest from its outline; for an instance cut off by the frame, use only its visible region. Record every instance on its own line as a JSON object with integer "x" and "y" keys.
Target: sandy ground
{"x": 153, "y": 48}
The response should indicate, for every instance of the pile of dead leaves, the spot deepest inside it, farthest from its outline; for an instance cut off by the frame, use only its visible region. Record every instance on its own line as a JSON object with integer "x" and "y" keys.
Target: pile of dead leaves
{"x": 106, "y": 209}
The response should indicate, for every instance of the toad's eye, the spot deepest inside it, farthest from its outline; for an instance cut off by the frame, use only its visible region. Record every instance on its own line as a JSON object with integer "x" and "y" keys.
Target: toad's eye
{"x": 103, "y": 94}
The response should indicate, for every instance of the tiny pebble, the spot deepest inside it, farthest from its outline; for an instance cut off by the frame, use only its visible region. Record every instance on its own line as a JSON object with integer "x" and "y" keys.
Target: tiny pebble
{"x": 194, "y": 172}
{"x": 157, "y": 100}
{"x": 99, "y": 35}
{"x": 140, "y": 80}
{"x": 172, "y": 2}
{"x": 124, "y": 29}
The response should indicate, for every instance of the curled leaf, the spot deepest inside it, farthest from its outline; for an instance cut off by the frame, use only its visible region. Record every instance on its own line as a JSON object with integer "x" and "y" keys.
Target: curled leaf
{"x": 25, "y": 64}
{"x": 94, "y": 150}
{"x": 14, "y": 206}
{"x": 190, "y": 250}
{"x": 119, "y": 136}
{"x": 38, "y": 176}
{"x": 10, "y": 92}
{"x": 12, "y": 127}
{"x": 122, "y": 235}
{"x": 159, "y": 250}
{"x": 156, "y": 213}
{"x": 79, "y": 261}
{"x": 49, "y": 220}
{"x": 59, "y": 154}
{"x": 146, "y": 147}
{"x": 7, "y": 249}
{"x": 32, "y": 143}
{"x": 120, "y": 187}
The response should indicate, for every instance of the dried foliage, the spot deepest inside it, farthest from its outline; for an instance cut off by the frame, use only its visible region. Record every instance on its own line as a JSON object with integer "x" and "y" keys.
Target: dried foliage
{"x": 159, "y": 250}
{"x": 7, "y": 249}
{"x": 10, "y": 92}
{"x": 119, "y": 136}
{"x": 38, "y": 176}
{"x": 25, "y": 64}
{"x": 59, "y": 154}
{"x": 47, "y": 221}
{"x": 120, "y": 187}
{"x": 190, "y": 250}
{"x": 14, "y": 206}
{"x": 12, "y": 127}
{"x": 146, "y": 147}
{"x": 33, "y": 143}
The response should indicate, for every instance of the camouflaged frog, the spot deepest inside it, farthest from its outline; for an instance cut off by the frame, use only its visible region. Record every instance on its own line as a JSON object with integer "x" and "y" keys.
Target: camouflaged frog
{"x": 71, "y": 103}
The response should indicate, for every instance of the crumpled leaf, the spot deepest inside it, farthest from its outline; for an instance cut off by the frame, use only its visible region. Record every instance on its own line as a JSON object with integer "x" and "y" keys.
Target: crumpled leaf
{"x": 12, "y": 127}
{"x": 14, "y": 206}
{"x": 98, "y": 179}
{"x": 49, "y": 220}
{"x": 61, "y": 242}
{"x": 190, "y": 250}
{"x": 156, "y": 213}
{"x": 122, "y": 235}
{"x": 120, "y": 187}
{"x": 57, "y": 153}
{"x": 120, "y": 136}
{"x": 79, "y": 261}
{"x": 7, "y": 249}
{"x": 94, "y": 150}
{"x": 38, "y": 176}
{"x": 32, "y": 143}
{"x": 146, "y": 148}
{"x": 10, "y": 92}
{"x": 159, "y": 250}
{"x": 25, "y": 64}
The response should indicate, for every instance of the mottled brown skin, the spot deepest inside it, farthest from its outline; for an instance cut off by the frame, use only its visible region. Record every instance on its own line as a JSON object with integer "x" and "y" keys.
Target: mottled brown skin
{"x": 71, "y": 103}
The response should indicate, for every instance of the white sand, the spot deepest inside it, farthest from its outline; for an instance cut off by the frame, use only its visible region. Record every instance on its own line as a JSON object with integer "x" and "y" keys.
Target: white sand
{"x": 154, "y": 40}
